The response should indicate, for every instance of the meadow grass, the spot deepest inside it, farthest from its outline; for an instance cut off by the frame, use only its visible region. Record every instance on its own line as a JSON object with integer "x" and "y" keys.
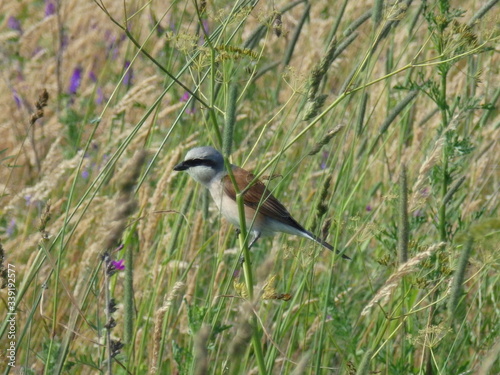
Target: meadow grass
{"x": 375, "y": 123}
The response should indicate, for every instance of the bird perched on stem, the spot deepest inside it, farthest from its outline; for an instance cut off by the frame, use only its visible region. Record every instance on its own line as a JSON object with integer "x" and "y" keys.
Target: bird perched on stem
{"x": 264, "y": 214}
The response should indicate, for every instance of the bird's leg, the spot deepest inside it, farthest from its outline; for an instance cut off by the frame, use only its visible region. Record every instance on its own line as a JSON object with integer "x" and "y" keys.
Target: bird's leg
{"x": 254, "y": 240}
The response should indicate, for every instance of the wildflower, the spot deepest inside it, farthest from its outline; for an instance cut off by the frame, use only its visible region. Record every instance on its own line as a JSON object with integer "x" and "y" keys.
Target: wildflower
{"x": 129, "y": 75}
{"x": 50, "y": 7}
{"x": 85, "y": 174}
{"x": 100, "y": 96}
{"x": 17, "y": 98}
{"x": 76, "y": 80}
{"x": 205, "y": 25}
{"x": 113, "y": 43}
{"x": 118, "y": 264}
{"x": 11, "y": 227}
{"x": 92, "y": 76}
{"x": 184, "y": 98}
{"x": 368, "y": 208}
{"x": 64, "y": 41}
{"x": 14, "y": 24}
{"x": 171, "y": 23}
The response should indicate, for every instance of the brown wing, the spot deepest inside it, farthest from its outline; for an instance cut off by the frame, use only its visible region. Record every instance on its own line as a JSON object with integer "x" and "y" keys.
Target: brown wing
{"x": 257, "y": 194}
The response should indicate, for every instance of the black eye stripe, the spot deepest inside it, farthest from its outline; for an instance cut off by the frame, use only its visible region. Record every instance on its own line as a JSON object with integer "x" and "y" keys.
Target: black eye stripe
{"x": 198, "y": 162}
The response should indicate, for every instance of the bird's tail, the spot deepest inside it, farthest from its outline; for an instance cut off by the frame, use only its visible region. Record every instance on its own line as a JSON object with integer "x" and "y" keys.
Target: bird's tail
{"x": 325, "y": 244}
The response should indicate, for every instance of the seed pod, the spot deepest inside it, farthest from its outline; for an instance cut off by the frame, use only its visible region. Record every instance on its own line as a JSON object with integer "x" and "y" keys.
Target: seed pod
{"x": 277, "y": 24}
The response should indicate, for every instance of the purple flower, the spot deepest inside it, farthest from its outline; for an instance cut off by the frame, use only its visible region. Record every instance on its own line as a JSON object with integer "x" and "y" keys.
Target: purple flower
{"x": 368, "y": 208}
{"x": 76, "y": 80}
{"x": 27, "y": 199}
{"x": 100, "y": 96}
{"x": 64, "y": 41}
{"x": 205, "y": 25}
{"x": 17, "y": 98}
{"x": 11, "y": 227}
{"x": 50, "y": 7}
{"x": 184, "y": 98}
{"x": 191, "y": 110}
{"x": 92, "y": 76}
{"x": 118, "y": 264}
{"x": 14, "y": 24}
{"x": 129, "y": 75}
{"x": 113, "y": 43}
{"x": 85, "y": 174}
{"x": 171, "y": 22}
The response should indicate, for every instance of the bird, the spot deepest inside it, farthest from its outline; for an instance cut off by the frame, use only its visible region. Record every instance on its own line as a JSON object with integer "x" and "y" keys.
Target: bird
{"x": 264, "y": 214}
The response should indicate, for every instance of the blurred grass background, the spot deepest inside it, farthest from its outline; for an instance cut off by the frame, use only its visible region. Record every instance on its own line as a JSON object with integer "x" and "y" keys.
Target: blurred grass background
{"x": 375, "y": 123}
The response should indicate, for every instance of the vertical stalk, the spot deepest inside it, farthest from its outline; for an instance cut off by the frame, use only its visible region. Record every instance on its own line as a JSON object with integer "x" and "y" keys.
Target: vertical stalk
{"x": 107, "y": 297}
{"x": 319, "y": 356}
{"x": 55, "y": 304}
{"x": 458, "y": 280}
{"x": 230, "y": 120}
{"x": 443, "y": 107}
{"x": 247, "y": 271}
{"x": 403, "y": 227}
{"x": 444, "y": 187}
{"x": 128, "y": 297}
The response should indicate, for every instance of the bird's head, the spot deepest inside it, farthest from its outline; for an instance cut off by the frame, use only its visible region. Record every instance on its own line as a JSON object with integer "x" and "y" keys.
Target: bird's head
{"x": 202, "y": 163}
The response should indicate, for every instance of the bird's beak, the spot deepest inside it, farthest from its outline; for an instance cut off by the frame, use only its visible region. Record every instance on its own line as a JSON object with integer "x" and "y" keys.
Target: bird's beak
{"x": 181, "y": 167}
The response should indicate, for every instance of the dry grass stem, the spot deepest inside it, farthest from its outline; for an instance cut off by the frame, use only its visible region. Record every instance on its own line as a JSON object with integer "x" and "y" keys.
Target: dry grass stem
{"x": 392, "y": 282}
{"x": 160, "y": 314}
